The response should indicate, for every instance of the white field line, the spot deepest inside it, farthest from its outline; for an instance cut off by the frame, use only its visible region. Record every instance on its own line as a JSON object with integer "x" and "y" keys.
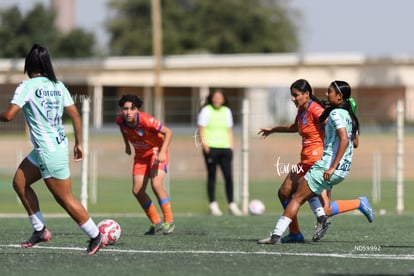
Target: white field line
{"x": 302, "y": 254}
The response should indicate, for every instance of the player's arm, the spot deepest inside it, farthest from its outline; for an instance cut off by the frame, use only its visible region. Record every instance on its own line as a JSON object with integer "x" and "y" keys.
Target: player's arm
{"x": 343, "y": 143}
{"x": 202, "y": 133}
{"x": 264, "y": 132}
{"x": 126, "y": 142}
{"x": 231, "y": 137}
{"x": 73, "y": 113}
{"x": 356, "y": 141}
{"x": 10, "y": 113}
{"x": 167, "y": 133}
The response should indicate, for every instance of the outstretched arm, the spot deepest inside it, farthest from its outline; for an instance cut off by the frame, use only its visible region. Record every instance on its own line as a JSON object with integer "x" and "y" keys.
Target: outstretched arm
{"x": 10, "y": 113}
{"x": 264, "y": 132}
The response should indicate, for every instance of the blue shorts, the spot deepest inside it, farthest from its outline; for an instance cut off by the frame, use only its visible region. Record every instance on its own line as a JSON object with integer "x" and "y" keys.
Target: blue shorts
{"x": 315, "y": 180}
{"x": 51, "y": 164}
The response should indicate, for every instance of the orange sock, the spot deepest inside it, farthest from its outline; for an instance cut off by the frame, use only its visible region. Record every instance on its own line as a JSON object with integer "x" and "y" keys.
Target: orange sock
{"x": 342, "y": 206}
{"x": 152, "y": 213}
{"x": 165, "y": 205}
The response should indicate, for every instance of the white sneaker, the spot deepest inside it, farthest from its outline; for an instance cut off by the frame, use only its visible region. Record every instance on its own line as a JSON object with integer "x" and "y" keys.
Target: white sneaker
{"x": 214, "y": 209}
{"x": 234, "y": 210}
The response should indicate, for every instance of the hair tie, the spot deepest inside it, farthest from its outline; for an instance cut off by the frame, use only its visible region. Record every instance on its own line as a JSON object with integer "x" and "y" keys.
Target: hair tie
{"x": 337, "y": 87}
{"x": 353, "y": 104}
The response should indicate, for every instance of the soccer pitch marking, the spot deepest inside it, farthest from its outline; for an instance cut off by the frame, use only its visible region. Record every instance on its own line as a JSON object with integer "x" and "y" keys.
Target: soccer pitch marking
{"x": 301, "y": 254}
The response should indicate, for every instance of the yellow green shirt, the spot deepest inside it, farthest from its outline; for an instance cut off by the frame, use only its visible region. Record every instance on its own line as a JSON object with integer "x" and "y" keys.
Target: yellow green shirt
{"x": 216, "y": 123}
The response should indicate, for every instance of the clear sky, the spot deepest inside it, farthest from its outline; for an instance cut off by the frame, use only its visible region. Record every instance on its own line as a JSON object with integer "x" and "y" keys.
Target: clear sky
{"x": 372, "y": 27}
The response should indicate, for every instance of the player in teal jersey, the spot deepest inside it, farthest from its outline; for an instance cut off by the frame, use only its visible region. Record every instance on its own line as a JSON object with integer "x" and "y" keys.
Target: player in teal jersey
{"x": 340, "y": 131}
{"x": 43, "y": 100}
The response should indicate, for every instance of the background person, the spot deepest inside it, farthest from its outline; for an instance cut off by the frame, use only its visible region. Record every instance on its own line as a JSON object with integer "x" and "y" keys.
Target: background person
{"x": 215, "y": 126}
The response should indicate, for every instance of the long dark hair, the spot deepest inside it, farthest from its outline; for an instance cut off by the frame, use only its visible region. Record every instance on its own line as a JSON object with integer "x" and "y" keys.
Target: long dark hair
{"x": 38, "y": 61}
{"x": 342, "y": 87}
{"x": 303, "y": 86}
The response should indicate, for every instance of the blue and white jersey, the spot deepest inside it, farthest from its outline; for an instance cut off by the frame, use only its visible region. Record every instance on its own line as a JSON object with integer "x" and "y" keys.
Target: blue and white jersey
{"x": 43, "y": 103}
{"x": 338, "y": 118}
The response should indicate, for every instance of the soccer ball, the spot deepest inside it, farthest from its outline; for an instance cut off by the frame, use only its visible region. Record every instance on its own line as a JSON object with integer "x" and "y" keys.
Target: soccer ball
{"x": 256, "y": 207}
{"x": 110, "y": 229}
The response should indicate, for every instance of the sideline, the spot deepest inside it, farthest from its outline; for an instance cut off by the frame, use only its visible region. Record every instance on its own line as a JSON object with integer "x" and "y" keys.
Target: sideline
{"x": 303, "y": 254}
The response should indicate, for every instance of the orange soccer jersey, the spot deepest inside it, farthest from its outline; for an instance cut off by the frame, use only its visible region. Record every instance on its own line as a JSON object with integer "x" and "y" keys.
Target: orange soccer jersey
{"x": 310, "y": 130}
{"x": 144, "y": 136}
{"x": 146, "y": 139}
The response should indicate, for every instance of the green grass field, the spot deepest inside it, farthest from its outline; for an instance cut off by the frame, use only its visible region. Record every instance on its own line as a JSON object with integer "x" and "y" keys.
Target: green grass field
{"x": 189, "y": 196}
{"x": 205, "y": 245}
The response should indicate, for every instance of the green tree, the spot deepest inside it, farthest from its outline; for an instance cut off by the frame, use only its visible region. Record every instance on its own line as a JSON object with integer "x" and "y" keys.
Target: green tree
{"x": 76, "y": 43}
{"x": 18, "y": 33}
{"x": 202, "y": 26}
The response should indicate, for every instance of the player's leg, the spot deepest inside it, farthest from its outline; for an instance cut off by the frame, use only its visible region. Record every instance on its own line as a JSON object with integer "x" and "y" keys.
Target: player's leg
{"x": 325, "y": 198}
{"x": 26, "y": 174}
{"x": 211, "y": 166}
{"x": 285, "y": 192}
{"x": 62, "y": 192}
{"x": 303, "y": 193}
{"x": 333, "y": 208}
{"x": 323, "y": 221}
{"x": 225, "y": 160}
{"x": 139, "y": 185}
{"x": 157, "y": 183}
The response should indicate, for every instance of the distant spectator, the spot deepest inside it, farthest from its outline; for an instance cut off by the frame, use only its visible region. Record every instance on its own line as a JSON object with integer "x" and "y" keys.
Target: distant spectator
{"x": 215, "y": 126}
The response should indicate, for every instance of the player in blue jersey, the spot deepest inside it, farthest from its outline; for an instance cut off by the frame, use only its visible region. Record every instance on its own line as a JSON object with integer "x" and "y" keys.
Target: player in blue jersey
{"x": 340, "y": 131}
{"x": 44, "y": 100}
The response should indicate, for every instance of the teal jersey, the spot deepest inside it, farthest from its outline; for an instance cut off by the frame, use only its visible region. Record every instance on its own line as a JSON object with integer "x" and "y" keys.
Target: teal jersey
{"x": 43, "y": 102}
{"x": 338, "y": 118}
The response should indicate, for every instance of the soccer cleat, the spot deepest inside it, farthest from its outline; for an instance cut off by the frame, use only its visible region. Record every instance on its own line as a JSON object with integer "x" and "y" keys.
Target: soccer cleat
{"x": 43, "y": 235}
{"x": 293, "y": 238}
{"x": 214, "y": 209}
{"x": 168, "y": 228}
{"x": 95, "y": 244}
{"x": 154, "y": 228}
{"x": 321, "y": 227}
{"x": 234, "y": 210}
{"x": 273, "y": 239}
{"x": 366, "y": 209}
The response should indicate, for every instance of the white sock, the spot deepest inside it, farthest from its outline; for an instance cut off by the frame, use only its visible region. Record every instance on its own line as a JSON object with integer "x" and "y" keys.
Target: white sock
{"x": 316, "y": 206}
{"x": 40, "y": 216}
{"x": 281, "y": 226}
{"x": 36, "y": 222}
{"x": 90, "y": 228}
